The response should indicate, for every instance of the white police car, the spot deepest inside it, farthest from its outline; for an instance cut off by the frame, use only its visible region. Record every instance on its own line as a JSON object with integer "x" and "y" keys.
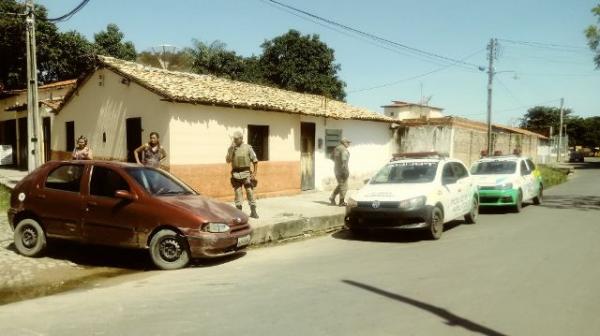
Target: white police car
{"x": 415, "y": 191}
{"x": 507, "y": 181}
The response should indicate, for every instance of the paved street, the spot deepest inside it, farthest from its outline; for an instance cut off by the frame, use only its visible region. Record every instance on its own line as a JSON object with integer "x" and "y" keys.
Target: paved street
{"x": 533, "y": 273}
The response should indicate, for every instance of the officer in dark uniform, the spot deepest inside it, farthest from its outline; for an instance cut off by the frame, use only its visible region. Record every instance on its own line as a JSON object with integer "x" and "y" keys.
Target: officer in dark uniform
{"x": 241, "y": 156}
{"x": 341, "y": 156}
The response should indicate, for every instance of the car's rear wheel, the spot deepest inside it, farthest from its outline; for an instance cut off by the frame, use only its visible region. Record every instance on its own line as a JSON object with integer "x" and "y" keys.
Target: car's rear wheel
{"x": 436, "y": 223}
{"x": 169, "y": 250}
{"x": 519, "y": 203}
{"x": 537, "y": 200}
{"x": 471, "y": 217}
{"x": 30, "y": 238}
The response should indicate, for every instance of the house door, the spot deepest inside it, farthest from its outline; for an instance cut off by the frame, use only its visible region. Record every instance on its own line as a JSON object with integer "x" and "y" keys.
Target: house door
{"x": 133, "y": 127}
{"x": 9, "y": 137}
{"x": 307, "y": 156}
{"x": 47, "y": 135}
{"x": 23, "y": 139}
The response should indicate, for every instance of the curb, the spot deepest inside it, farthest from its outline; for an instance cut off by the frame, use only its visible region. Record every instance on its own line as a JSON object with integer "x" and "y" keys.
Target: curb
{"x": 295, "y": 228}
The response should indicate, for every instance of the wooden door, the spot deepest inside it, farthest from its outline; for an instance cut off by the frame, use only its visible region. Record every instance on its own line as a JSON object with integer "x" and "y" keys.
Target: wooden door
{"x": 47, "y": 135}
{"x": 133, "y": 128}
{"x": 307, "y": 156}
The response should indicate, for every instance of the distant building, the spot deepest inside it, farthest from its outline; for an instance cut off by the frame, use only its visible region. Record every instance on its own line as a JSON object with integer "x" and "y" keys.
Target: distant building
{"x": 118, "y": 104}
{"x": 13, "y": 118}
{"x": 400, "y": 110}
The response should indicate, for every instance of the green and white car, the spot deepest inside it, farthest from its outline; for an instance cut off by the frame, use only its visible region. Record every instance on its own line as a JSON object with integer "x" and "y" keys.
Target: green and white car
{"x": 507, "y": 181}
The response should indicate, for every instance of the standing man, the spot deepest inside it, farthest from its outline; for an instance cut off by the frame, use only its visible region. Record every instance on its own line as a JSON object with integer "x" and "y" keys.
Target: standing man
{"x": 341, "y": 156}
{"x": 242, "y": 156}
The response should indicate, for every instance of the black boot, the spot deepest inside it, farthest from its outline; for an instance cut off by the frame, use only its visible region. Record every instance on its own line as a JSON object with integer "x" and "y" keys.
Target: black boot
{"x": 239, "y": 207}
{"x": 253, "y": 213}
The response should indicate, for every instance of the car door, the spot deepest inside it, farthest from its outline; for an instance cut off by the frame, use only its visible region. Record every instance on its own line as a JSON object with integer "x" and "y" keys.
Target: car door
{"x": 451, "y": 195}
{"x": 59, "y": 201}
{"x": 465, "y": 187}
{"x": 109, "y": 220}
{"x": 535, "y": 177}
{"x": 526, "y": 180}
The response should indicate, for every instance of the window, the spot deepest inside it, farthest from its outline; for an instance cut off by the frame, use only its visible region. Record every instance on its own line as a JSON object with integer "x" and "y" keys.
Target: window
{"x": 448, "y": 174}
{"x": 105, "y": 182}
{"x": 494, "y": 167}
{"x": 524, "y": 169}
{"x": 460, "y": 171}
{"x": 258, "y": 138}
{"x": 66, "y": 178}
{"x": 332, "y": 140}
{"x": 70, "y": 135}
{"x": 157, "y": 182}
{"x": 406, "y": 172}
{"x": 531, "y": 165}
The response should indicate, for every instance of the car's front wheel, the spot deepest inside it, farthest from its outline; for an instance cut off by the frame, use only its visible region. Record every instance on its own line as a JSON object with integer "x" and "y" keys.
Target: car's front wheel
{"x": 436, "y": 223}
{"x": 519, "y": 202}
{"x": 169, "y": 250}
{"x": 471, "y": 217}
{"x": 537, "y": 200}
{"x": 30, "y": 238}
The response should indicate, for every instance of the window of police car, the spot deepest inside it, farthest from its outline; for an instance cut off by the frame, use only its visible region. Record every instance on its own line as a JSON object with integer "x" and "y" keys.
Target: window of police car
{"x": 65, "y": 178}
{"x": 406, "y": 172}
{"x": 494, "y": 167}
{"x": 524, "y": 169}
{"x": 105, "y": 182}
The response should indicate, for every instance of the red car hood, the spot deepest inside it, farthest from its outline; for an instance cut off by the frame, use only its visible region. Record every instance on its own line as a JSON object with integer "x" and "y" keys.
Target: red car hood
{"x": 209, "y": 210}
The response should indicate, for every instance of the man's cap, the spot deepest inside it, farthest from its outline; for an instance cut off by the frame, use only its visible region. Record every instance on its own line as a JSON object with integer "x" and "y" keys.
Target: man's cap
{"x": 345, "y": 140}
{"x": 238, "y": 135}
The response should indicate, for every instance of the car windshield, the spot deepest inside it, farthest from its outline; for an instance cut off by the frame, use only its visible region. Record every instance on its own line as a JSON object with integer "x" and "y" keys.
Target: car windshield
{"x": 406, "y": 172}
{"x": 494, "y": 167}
{"x": 157, "y": 182}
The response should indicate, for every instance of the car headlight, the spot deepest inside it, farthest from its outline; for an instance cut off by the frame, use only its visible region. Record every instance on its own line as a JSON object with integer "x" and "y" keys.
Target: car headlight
{"x": 215, "y": 227}
{"x": 504, "y": 186}
{"x": 351, "y": 203}
{"x": 413, "y": 202}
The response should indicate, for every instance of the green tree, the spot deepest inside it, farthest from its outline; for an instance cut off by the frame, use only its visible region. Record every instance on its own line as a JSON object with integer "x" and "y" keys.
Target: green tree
{"x": 77, "y": 56}
{"x": 539, "y": 119}
{"x": 301, "y": 63}
{"x": 215, "y": 59}
{"x": 593, "y": 36}
{"x": 110, "y": 42}
{"x": 175, "y": 61}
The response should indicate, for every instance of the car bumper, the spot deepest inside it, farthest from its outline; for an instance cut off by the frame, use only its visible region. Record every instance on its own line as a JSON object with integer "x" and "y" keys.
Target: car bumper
{"x": 368, "y": 218}
{"x": 498, "y": 197}
{"x": 211, "y": 245}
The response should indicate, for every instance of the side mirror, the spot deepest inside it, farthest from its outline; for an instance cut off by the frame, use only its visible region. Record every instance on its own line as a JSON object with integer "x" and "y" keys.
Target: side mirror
{"x": 449, "y": 180}
{"x": 125, "y": 195}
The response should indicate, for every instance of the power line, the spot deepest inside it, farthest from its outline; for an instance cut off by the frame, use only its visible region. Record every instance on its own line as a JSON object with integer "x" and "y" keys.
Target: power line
{"x": 70, "y": 14}
{"x": 416, "y": 51}
{"x": 514, "y": 108}
{"x": 413, "y": 77}
{"x": 549, "y": 46}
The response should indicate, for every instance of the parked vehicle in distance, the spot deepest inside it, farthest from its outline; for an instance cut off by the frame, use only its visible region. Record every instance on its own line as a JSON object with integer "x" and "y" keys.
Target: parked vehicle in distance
{"x": 507, "y": 181}
{"x": 421, "y": 191}
{"x": 126, "y": 205}
{"x": 576, "y": 156}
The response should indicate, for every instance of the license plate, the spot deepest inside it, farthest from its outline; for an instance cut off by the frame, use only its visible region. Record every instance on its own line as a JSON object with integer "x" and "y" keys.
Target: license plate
{"x": 243, "y": 241}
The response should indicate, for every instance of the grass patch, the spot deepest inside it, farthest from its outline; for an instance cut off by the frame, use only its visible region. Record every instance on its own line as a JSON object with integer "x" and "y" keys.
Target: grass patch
{"x": 4, "y": 198}
{"x": 553, "y": 176}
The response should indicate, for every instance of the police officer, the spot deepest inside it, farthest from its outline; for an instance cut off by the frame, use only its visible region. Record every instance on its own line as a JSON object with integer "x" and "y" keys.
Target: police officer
{"x": 242, "y": 156}
{"x": 341, "y": 156}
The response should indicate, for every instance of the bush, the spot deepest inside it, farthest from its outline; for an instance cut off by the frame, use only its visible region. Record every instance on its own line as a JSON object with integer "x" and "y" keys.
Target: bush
{"x": 552, "y": 176}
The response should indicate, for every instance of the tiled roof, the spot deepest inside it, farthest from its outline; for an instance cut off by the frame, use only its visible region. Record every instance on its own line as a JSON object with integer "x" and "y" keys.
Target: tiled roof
{"x": 206, "y": 89}
{"x": 464, "y": 122}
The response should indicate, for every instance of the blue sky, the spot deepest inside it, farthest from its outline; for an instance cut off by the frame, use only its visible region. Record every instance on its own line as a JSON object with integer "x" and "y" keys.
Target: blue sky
{"x": 451, "y": 28}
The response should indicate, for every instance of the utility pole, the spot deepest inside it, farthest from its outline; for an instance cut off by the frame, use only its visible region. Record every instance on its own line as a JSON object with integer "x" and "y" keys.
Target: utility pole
{"x": 33, "y": 115}
{"x": 491, "y": 56}
{"x": 560, "y": 131}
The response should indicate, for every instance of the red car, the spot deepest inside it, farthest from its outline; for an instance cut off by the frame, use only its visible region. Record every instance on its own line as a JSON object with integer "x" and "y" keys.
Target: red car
{"x": 122, "y": 204}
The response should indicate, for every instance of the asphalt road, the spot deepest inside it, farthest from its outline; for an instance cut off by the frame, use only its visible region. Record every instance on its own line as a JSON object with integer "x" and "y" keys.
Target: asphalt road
{"x": 533, "y": 273}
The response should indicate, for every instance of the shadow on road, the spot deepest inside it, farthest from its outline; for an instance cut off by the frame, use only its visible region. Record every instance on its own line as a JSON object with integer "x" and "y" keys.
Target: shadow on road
{"x": 590, "y": 163}
{"x": 572, "y": 202}
{"x": 390, "y": 235}
{"x": 499, "y": 210}
{"x": 451, "y": 319}
{"x": 104, "y": 256}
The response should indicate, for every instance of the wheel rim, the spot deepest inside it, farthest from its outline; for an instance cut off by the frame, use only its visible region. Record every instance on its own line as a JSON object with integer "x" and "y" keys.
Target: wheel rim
{"x": 475, "y": 210}
{"x": 29, "y": 236}
{"x": 436, "y": 227}
{"x": 170, "y": 249}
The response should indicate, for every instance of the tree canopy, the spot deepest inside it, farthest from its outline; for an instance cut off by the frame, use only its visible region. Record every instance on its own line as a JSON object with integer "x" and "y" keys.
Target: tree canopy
{"x": 60, "y": 55}
{"x": 593, "y": 36}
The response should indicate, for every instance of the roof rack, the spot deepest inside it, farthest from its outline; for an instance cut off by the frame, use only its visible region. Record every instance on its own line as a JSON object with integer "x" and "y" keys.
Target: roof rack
{"x": 419, "y": 155}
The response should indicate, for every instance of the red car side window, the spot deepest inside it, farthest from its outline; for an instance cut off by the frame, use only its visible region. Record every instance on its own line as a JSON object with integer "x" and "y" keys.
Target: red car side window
{"x": 65, "y": 178}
